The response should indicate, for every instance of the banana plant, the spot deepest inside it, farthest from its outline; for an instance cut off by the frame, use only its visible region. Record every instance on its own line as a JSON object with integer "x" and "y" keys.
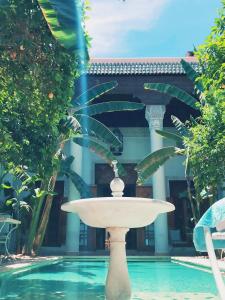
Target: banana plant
{"x": 84, "y": 112}
{"x": 153, "y": 161}
{"x": 81, "y": 126}
{"x": 150, "y": 164}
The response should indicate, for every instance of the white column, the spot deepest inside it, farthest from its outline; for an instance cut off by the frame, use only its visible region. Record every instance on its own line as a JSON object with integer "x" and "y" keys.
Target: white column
{"x": 73, "y": 221}
{"x": 154, "y": 115}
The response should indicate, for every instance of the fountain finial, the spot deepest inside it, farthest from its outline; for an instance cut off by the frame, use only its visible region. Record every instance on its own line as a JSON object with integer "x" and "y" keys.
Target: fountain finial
{"x": 117, "y": 184}
{"x": 115, "y": 169}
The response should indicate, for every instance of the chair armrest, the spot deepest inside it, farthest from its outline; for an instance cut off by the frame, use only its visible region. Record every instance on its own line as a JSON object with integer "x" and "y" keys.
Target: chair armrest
{"x": 9, "y": 220}
{"x": 218, "y": 235}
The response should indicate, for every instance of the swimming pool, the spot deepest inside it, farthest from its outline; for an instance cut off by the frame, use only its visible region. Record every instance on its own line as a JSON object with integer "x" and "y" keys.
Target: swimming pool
{"x": 84, "y": 280}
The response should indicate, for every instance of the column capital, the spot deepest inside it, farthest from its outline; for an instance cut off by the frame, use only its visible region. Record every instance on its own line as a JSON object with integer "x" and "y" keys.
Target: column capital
{"x": 154, "y": 114}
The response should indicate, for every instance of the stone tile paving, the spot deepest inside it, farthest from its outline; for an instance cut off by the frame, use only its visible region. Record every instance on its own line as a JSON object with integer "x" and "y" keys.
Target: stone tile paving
{"x": 174, "y": 296}
{"x": 199, "y": 261}
{"x": 15, "y": 262}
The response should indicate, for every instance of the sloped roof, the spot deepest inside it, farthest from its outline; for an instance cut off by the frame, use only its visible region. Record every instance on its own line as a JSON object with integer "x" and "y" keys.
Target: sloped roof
{"x": 142, "y": 66}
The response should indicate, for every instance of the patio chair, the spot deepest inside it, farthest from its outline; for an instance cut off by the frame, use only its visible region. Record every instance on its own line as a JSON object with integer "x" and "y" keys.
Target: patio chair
{"x": 209, "y": 234}
{"x": 7, "y": 226}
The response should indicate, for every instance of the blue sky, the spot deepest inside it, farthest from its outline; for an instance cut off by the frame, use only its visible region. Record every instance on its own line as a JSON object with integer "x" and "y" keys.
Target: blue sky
{"x": 149, "y": 28}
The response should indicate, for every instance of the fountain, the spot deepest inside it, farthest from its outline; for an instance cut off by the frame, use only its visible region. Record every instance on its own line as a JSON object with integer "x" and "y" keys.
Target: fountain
{"x": 118, "y": 214}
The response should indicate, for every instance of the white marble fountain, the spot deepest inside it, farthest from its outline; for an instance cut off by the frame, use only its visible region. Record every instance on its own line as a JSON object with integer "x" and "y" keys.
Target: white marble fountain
{"x": 118, "y": 214}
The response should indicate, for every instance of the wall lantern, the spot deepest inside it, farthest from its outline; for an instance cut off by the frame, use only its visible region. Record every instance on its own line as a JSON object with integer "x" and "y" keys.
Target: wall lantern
{"x": 117, "y": 150}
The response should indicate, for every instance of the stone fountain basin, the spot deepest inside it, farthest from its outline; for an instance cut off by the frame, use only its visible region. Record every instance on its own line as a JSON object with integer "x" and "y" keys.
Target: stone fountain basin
{"x": 118, "y": 211}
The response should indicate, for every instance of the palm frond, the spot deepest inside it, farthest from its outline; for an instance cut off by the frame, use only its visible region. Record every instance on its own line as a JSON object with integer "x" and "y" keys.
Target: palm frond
{"x": 111, "y": 106}
{"x": 94, "y": 92}
{"x": 100, "y": 150}
{"x": 180, "y": 126}
{"x": 171, "y": 136}
{"x": 95, "y": 128}
{"x": 173, "y": 91}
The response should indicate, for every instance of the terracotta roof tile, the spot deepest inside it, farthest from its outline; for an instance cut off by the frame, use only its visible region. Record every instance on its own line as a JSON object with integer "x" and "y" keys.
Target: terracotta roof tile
{"x": 148, "y": 66}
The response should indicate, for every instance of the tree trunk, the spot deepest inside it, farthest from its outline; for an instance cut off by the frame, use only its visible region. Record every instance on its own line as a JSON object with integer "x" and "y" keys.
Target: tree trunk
{"x": 34, "y": 223}
{"x": 45, "y": 217}
{"x": 195, "y": 218}
{"x": 36, "y": 236}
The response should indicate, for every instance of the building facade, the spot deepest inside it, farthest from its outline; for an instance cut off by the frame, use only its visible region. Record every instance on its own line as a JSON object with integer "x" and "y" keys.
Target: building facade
{"x": 66, "y": 233}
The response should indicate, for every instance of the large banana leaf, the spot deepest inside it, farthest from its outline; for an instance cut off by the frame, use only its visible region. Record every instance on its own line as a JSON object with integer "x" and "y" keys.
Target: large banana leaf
{"x": 173, "y": 91}
{"x": 156, "y": 157}
{"x": 180, "y": 126}
{"x": 64, "y": 18}
{"x": 94, "y": 92}
{"x": 65, "y": 164}
{"x": 82, "y": 187}
{"x": 79, "y": 183}
{"x": 100, "y": 150}
{"x": 170, "y": 135}
{"x": 111, "y": 106}
{"x": 148, "y": 172}
{"x": 98, "y": 129}
{"x": 191, "y": 74}
{"x": 153, "y": 161}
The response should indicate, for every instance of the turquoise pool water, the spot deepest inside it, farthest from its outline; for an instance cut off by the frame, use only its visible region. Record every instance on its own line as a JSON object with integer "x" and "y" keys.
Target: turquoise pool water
{"x": 79, "y": 280}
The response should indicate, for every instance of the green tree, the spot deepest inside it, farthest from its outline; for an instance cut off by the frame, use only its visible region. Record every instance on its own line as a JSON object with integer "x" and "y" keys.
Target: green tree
{"x": 211, "y": 54}
{"x": 207, "y": 144}
{"x": 36, "y": 87}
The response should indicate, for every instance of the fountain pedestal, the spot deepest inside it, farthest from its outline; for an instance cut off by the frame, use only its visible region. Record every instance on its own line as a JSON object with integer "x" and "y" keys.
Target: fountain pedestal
{"x": 117, "y": 283}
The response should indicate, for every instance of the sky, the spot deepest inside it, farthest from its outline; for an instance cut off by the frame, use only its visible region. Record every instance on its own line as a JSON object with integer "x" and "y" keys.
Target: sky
{"x": 149, "y": 28}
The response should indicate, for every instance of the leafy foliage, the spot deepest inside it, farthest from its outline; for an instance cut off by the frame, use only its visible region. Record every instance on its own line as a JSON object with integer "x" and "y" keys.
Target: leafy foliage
{"x": 211, "y": 54}
{"x": 207, "y": 141}
{"x": 64, "y": 19}
{"x": 36, "y": 86}
{"x": 207, "y": 144}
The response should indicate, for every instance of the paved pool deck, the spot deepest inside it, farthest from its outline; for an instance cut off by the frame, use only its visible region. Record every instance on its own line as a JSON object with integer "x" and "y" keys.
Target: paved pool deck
{"x": 201, "y": 261}
{"x": 19, "y": 262}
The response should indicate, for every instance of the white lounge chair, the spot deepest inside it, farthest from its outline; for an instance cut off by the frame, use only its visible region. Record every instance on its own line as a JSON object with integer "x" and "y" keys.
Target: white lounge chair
{"x": 209, "y": 237}
{"x": 209, "y": 234}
